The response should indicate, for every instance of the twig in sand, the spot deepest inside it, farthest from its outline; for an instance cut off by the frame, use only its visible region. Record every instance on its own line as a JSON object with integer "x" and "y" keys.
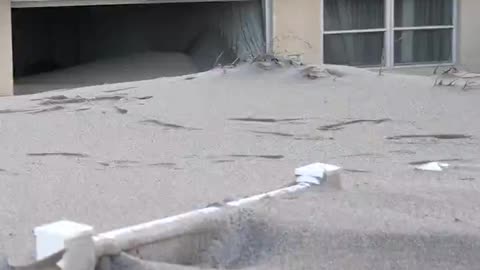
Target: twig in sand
{"x": 342, "y": 125}
{"x": 454, "y": 69}
{"x": 265, "y": 120}
{"x": 167, "y": 125}
{"x": 235, "y": 61}
{"x": 121, "y": 110}
{"x": 65, "y": 154}
{"x": 432, "y": 136}
{"x": 452, "y": 83}
{"x": 119, "y": 89}
{"x": 218, "y": 59}
{"x": 257, "y": 156}
{"x": 52, "y": 109}
{"x": 7, "y": 111}
{"x": 470, "y": 85}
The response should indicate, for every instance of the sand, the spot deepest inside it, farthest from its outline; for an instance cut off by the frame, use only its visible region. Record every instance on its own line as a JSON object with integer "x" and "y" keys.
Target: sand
{"x": 121, "y": 154}
{"x": 134, "y": 67}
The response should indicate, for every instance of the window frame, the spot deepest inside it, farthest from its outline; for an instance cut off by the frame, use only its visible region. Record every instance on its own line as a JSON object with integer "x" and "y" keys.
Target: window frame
{"x": 389, "y": 35}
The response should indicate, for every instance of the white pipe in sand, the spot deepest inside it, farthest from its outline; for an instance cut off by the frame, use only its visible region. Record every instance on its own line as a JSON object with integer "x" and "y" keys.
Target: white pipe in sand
{"x": 56, "y": 236}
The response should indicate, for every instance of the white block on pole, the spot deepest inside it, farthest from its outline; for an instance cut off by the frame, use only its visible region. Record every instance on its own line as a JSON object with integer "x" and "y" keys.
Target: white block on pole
{"x": 320, "y": 174}
{"x": 50, "y": 238}
{"x": 75, "y": 238}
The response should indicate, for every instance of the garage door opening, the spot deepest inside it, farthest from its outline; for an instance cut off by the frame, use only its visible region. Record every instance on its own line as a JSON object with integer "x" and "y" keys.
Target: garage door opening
{"x": 68, "y": 47}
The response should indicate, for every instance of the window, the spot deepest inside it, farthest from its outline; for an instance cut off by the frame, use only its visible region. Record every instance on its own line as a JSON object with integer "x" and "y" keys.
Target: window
{"x": 388, "y": 32}
{"x": 354, "y": 32}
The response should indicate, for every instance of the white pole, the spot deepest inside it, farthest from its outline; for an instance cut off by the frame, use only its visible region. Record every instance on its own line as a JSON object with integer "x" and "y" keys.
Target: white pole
{"x": 82, "y": 249}
{"x": 112, "y": 242}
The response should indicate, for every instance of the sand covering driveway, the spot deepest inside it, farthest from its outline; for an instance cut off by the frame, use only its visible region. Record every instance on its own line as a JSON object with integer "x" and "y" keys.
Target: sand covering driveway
{"x": 117, "y": 155}
{"x": 139, "y": 66}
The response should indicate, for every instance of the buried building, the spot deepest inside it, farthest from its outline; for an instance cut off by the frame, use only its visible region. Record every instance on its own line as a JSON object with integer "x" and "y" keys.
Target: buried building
{"x": 125, "y": 40}
{"x": 72, "y": 43}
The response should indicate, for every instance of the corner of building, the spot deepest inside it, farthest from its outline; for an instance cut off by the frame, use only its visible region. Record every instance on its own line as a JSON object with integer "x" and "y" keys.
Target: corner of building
{"x": 297, "y": 29}
{"x": 469, "y": 39}
{"x": 6, "y": 60}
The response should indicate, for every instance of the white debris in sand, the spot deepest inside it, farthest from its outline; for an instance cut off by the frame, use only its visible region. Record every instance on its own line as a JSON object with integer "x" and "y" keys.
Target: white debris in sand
{"x": 433, "y": 166}
{"x": 315, "y": 173}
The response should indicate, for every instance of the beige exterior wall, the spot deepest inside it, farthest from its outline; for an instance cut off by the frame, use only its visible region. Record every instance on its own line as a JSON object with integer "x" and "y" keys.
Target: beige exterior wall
{"x": 469, "y": 34}
{"x": 297, "y": 29}
{"x": 6, "y": 73}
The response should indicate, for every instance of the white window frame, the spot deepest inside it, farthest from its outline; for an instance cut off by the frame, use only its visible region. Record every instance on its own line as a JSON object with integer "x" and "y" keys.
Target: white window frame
{"x": 389, "y": 35}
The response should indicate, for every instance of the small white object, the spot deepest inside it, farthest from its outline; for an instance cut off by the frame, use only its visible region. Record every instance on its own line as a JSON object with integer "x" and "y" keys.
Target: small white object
{"x": 318, "y": 173}
{"x": 433, "y": 166}
{"x": 51, "y": 238}
{"x": 317, "y": 170}
{"x": 309, "y": 180}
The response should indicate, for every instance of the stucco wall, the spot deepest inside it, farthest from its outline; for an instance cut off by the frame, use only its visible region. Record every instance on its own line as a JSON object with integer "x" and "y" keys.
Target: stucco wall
{"x": 297, "y": 29}
{"x": 469, "y": 48}
{"x": 6, "y": 80}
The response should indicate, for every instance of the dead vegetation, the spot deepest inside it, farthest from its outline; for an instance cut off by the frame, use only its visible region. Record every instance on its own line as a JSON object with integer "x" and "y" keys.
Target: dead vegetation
{"x": 342, "y": 125}
{"x": 454, "y": 77}
{"x": 51, "y": 109}
{"x": 312, "y": 72}
{"x": 121, "y": 110}
{"x": 165, "y": 125}
{"x": 257, "y": 156}
{"x": 62, "y": 100}
{"x": 431, "y": 136}
{"x": 8, "y": 111}
{"x": 265, "y": 120}
{"x": 64, "y": 154}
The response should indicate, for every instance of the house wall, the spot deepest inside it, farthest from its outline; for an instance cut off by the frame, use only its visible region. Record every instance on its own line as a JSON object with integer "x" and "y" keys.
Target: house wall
{"x": 6, "y": 76}
{"x": 469, "y": 38}
{"x": 297, "y": 29}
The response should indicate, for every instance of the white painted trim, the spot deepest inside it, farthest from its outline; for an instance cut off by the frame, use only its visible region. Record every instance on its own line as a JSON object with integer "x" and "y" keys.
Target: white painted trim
{"x": 322, "y": 28}
{"x": 433, "y": 27}
{"x": 455, "y": 38}
{"x": 439, "y": 64}
{"x": 414, "y": 66}
{"x": 66, "y": 3}
{"x": 355, "y": 31}
{"x": 268, "y": 13}
{"x": 389, "y": 36}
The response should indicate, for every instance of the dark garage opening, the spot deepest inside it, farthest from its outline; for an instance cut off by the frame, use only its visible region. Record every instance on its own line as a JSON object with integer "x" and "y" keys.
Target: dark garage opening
{"x": 67, "y": 47}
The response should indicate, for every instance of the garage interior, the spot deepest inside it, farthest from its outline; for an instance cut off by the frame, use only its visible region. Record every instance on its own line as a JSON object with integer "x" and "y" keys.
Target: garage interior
{"x": 75, "y": 46}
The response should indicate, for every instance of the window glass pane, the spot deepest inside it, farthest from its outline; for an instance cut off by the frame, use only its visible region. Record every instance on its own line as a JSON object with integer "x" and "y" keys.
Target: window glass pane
{"x": 423, "y": 46}
{"x": 423, "y": 12}
{"x": 353, "y": 14}
{"x": 363, "y": 49}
